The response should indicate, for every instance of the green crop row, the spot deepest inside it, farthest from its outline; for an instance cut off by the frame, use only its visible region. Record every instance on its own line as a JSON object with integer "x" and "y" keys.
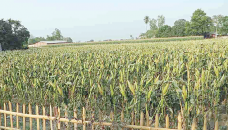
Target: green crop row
{"x": 133, "y": 41}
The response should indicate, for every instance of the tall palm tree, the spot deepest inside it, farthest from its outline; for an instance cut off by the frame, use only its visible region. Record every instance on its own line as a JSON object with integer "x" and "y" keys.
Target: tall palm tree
{"x": 146, "y": 20}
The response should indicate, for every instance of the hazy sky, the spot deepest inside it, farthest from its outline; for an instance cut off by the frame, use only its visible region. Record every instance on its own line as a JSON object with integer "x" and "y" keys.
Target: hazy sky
{"x": 101, "y": 19}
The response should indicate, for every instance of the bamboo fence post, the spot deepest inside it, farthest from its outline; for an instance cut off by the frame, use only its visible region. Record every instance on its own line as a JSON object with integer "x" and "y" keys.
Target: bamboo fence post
{"x": 122, "y": 118}
{"x": 100, "y": 119}
{"x": 55, "y": 124}
{"x": 92, "y": 121}
{"x": 156, "y": 121}
{"x": 179, "y": 122}
{"x": 75, "y": 117}
{"x": 51, "y": 126}
{"x": 66, "y": 116}
{"x": 24, "y": 117}
{"x": 30, "y": 119}
{"x": 194, "y": 124}
{"x": 11, "y": 117}
{"x": 84, "y": 118}
{"x": 167, "y": 121}
{"x": 44, "y": 122}
{"x": 37, "y": 120}
{"x": 59, "y": 123}
{"x": 5, "y": 115}
{"x": 17, "y": 119}
{"x": 216, "y": 125}
{"x": 132, "y": 119}
{"x": 112, "y": 119}
{"x": 0, "y": 117}
{"x": 205, "y": 122}
{"x": 141, "y": 119}
{"x": 147, "y": 119}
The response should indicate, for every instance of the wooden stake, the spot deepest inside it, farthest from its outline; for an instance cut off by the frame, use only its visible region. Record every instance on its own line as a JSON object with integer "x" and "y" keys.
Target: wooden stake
{"x": 11, "y": 117}
{"x": 37, "y": 120}
{"x": 24, "y": 123}
{"x": 112, "y": 119}
{"x": 132, "y": 119}
{"x": 141, "y": 119}
{"x": 17, "y": 119}
{"x": 156, "y": 121}
{"x": 66, "y": 116}
{"x": 51, "y": 126}
{"x": 100, "y": 119}
{"x": 205, "y": 122}
{"x": 5, "y": 115}
{"x": 84, "y": 118}
{"x": 179, "y": 122}
{"x": 216, "y": 125}
{"x": 167, "y": 122}
{"x": 194, "y": 124}
{"x": 75, "y": 117}
{"x": 92, "y": 121}
{"x": 0, "y": 117}
{"x": 147, "y": 119}
{"x": 122, "y": 118}
{"x": 30, "y": 119}
{"x": 44, "y": 122}
{"x": 59, "y": 123}
{"x": 55, "y": 125}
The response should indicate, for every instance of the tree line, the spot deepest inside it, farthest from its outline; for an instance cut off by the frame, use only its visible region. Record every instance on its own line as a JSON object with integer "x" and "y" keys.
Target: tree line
{"x": 13, "y": 36}
{"x": 200, "y": 24}
{"x": 56, "y": 35}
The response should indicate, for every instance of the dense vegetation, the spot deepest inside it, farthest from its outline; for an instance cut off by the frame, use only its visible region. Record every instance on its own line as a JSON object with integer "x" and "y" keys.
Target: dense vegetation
{"x": 200, "y": 24}
{"x": 185, "y": 76}
{"x": 13, "y": 35}
{"x": 56, "y": 35}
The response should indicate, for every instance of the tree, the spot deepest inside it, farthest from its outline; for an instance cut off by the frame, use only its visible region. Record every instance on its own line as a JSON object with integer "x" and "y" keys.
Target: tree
{"x": 217, "y": 22}
{"x": 153, "y": 24}
{"x": 161, "y": 21}
{"x": 164, "y": 31}
{"x": 56, "y": 35}
{"x": 151, "y": 33}
{"x": 188, "y": 29}
{"x": 142, "y": 36}
{"x": 33, "y": 40}
{"x": 200, "y": 22}
{"x": 179, "y": 28}
{"x": 146, "y": 20}
{"x": 153, "y": 28}
{"x": 5, "y": 33}
{"x": 131, "y": 37}
{"x": 13, "y": 35}
{"x": 224, "y": 26}
{"x": 68, "y": 39}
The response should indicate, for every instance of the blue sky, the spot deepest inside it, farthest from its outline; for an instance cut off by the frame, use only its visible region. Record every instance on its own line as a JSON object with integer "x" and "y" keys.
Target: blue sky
{"x": 101, "y": 19}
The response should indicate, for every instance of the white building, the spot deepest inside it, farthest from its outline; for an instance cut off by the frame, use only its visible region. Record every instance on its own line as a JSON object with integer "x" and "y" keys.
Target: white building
{"x": 44, "y": 43}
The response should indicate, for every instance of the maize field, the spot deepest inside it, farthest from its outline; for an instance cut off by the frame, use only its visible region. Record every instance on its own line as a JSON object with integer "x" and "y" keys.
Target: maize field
{"x": 190, "y": 77}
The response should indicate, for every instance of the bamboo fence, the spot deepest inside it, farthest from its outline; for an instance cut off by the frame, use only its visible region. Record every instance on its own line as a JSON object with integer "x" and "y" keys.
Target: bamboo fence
{"x": 144, "y": 121}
